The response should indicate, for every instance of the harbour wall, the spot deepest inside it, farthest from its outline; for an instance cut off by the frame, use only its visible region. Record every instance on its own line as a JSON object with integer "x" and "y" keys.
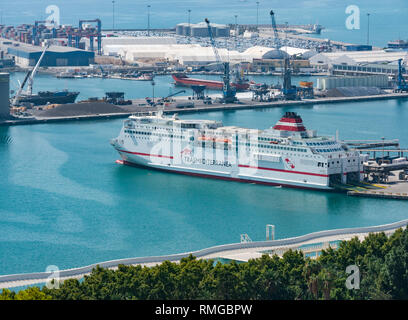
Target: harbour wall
{"x": 209, "y": 108}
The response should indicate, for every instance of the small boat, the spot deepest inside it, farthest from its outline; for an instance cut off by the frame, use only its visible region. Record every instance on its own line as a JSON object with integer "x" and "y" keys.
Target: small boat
{"x": 65, "y": 75}
{"x": 144, "y": 77}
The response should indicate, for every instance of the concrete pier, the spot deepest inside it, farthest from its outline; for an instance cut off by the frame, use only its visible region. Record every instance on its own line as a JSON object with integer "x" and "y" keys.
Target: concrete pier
{"x": 395, "y": 189}
{"x": 140, "y": 105}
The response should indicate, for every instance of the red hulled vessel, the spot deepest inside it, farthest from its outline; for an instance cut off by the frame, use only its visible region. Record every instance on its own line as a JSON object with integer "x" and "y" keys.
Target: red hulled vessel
{"x": 183, "y": 80}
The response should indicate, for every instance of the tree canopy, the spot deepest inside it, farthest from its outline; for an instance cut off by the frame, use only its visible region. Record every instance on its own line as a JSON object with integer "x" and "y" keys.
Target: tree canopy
{"x": 382, "y": 262}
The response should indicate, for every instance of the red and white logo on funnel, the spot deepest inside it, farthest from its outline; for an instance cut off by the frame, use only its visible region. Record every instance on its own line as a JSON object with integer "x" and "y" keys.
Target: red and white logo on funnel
{"x": 289, "y": 164}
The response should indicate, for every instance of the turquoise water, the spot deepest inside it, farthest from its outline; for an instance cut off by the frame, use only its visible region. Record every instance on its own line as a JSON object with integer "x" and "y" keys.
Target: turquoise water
{"x": 387, "y": 20}
{"x": 64, "y": 201}
{"x": 96, "y": 87}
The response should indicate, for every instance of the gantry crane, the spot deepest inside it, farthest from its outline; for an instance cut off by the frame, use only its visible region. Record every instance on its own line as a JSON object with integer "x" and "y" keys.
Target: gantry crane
{"x": 80, "y": 33}
{"x": 228, "y": 92}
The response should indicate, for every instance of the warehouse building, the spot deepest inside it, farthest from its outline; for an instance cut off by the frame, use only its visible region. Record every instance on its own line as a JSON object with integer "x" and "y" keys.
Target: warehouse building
{"x": 201, "y": 30}
{"x": 365, "y": 69}
{"x": 55, "y": 56}
{"x": 325, "y": 60}
{"x": 266, "y": 58}
{"x": 184, "y": 54}
{"x": 4, "y": 95}
{"x": 125, "y": 41}
{"x": 327, "y": 83}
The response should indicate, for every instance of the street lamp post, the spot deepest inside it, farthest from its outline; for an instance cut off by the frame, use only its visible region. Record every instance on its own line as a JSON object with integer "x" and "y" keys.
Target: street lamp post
{"x": 189, "y": 27}
{"x": 148, "y": 20}
{"x": 153, "y": 84}
{"x": 368, "y": 28}
{"x": 236, "y": 31}
{"x": 257, "y": 15}
{"x": 113, "y": 15}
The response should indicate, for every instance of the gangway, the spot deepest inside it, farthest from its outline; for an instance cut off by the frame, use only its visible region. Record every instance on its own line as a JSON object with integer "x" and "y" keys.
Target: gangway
{"x": 370, "y": 144}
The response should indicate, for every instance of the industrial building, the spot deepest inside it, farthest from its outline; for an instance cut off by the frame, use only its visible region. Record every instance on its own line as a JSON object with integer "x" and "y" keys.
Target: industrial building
{"x": 265, "y": 58}
{"x": 201, "y": 30}
{"x": 398, "y": 45}
{"x": 108, "y": 43}
{"x": 184, "y": 54}
{"x": 365, "y": 69}
{"x": 269, "y": 65}
{"x": 4, "y": 95}
{"x": 327, "y": 83}
{"x": 358, "y": 47}
{"x": 56, "y": 56}
{"x": 325, "y": 60}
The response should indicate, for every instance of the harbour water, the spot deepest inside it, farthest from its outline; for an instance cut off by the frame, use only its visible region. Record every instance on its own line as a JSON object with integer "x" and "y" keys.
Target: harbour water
{"x": 96, "y": 87}
{"x": 64, "y": 201}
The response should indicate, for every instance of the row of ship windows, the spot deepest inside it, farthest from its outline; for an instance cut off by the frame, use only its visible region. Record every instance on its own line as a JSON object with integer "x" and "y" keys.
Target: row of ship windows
{"x": 328, "y": 150}
{"x": 241, "y": 143}
{"x": 275, "y": 147}
{"x": 267, "y": 139}
{"x": 320, "y": 143}
{"x": 154, "y": 134}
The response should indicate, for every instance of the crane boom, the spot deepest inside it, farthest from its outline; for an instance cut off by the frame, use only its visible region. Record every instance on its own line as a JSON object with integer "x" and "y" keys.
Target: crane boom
{"x": 228, "y": 91}
{"x": 216, "y": 54}
{"x": 20, "y": 89}
{"x": 34, "y": 71}
{"x": 275, "y": 31}
{"x": 288, "y": 90}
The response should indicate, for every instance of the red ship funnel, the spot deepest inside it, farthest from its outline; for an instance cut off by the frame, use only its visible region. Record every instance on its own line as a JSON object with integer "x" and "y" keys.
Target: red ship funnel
{"x": 291, "y": 121}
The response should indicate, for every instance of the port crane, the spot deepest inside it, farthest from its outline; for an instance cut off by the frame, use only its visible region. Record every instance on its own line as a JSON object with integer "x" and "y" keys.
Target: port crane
{"x": 288, "y": 91}
{"x": 166, "y": 99}
{"x": 402, "y": 85}
{"x": 228, "y": 92}
{"x": 82, "y": 33}
{"x": 29, "y": 78}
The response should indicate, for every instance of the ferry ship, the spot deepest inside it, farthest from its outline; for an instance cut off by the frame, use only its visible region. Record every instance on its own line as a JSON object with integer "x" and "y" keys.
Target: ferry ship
{"x": 286, "y": 154}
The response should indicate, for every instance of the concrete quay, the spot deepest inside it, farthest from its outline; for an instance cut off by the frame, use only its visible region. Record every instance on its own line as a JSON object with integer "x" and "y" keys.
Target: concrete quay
{"x": 394, "y": 189}
{"x": 140, "y": 105}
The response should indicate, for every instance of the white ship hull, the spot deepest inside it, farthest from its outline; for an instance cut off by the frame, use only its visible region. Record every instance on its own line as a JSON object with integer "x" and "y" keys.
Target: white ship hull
{"x": 235, "y": 154}
{"x": 277, "y": 175}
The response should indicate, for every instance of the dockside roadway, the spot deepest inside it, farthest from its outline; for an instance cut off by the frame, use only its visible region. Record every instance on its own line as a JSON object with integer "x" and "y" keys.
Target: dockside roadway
{"x": 311, "y": 245}
{"x": 141, "y": 106}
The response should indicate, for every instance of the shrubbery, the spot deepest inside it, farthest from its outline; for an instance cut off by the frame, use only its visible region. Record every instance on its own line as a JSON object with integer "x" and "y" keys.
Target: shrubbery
{"x": 383, "y": 264}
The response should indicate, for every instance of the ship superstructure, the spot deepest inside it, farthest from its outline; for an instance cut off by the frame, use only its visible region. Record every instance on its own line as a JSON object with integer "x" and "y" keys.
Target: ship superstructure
{"x": 286, "y": 154}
